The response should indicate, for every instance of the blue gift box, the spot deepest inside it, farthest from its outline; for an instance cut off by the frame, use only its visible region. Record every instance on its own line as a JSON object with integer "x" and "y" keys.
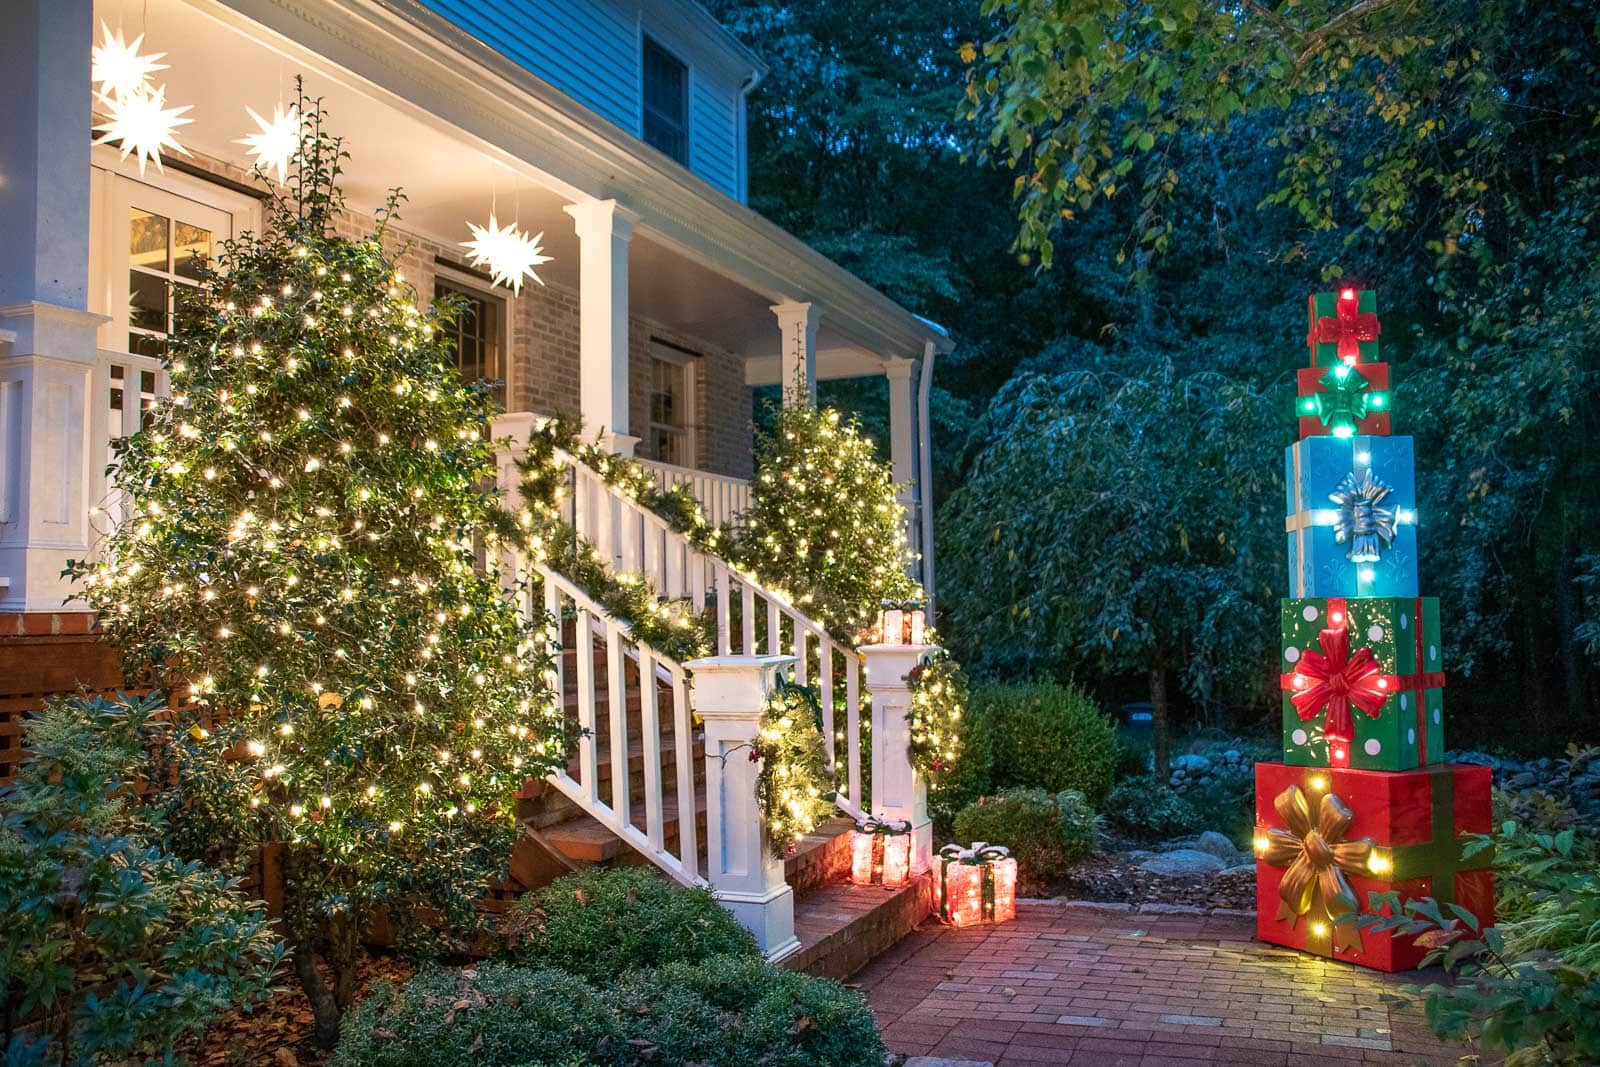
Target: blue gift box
{"x": 1352, "y": 517}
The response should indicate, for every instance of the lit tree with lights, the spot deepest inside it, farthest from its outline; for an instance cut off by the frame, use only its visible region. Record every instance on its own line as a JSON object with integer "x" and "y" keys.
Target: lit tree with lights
{"x": 299, "y": 558}
{"x": 824, "y": 524}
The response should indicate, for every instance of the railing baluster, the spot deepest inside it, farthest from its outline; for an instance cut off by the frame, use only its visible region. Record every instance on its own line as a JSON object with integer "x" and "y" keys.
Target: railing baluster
{"x": 588, "y": 764}
{"x": 825, "y": 685}
{"x": 747, "y": 619}
{"x": 650, "y": 732}
{"x": 617, "y": 705}
{"x": 852, "y": 727}
{"x": 683, "y": 743}
{"x": 774, "y": 636}
{"x": 723, "y": 578}
{"x": 802, "y": 673}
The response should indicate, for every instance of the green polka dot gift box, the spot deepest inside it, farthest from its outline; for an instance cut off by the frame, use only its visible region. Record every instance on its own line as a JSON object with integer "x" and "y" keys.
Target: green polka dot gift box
{"x": 1363, "y": 683}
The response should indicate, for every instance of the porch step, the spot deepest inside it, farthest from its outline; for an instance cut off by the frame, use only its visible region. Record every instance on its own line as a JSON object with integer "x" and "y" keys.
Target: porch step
{"x": 584, "y": 840}
{"x": 843, "y": 927}
{"x": 820, "y": 857}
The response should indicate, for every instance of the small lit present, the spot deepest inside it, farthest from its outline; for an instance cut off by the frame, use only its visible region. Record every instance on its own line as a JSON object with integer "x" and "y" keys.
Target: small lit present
{"x": 977, "y": 884}
{"x": 880, "y": 852}
{"x": 902, "y": 623}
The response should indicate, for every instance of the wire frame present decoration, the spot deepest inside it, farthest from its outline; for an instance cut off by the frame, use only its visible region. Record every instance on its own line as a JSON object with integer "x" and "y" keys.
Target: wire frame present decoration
{"x": 880, "y": 852}
{"x": 977, "y": 884}
{"x": 902, "y": 622}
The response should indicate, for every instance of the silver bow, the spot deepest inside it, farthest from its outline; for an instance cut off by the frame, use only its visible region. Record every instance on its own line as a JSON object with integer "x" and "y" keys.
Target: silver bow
{"x": 1361, "y": 520}
{"x": 980, "y": 852}
{"x": 877, "y": 824}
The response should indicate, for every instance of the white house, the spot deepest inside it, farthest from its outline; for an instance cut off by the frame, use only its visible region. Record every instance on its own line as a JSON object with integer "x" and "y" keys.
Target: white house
{"x": 615, "y": 127}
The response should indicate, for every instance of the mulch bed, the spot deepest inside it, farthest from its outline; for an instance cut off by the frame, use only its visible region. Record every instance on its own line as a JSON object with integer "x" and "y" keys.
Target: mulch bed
{"x": 1110, "y": 878}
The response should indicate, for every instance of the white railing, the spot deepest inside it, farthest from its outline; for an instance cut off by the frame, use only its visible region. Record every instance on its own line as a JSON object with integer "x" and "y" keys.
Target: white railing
{"x": 750, "y": 619}
{"x": 125, "y": 387}
{"x": 723, "y": 497}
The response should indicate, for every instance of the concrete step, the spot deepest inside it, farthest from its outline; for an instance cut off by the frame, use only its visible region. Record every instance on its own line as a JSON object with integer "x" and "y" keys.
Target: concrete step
{"x": 843, "y": 927}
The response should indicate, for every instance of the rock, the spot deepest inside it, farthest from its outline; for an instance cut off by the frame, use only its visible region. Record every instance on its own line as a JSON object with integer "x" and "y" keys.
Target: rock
{"x": 1243, "y": 868}
{"x": 1218, "y": 845}
{"x": 1183, "y": 863}
{"x": 1525, "y": 780}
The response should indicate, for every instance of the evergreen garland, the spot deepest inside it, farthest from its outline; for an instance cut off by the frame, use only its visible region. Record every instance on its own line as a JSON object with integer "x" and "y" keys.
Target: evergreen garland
{"x": 792, "y": 787}
{"x": 939, "y": 699}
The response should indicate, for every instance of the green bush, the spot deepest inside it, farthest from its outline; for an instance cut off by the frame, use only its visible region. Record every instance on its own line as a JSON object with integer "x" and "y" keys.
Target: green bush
{"x": 492, "y": 1015}
{"x": 1151, "y": 810}
{"x": 1046, "y": 834}
{"x": 724, "y": 1011}
{"x": 602, "y": 922}
{"x": 110, "y": 945}
{"x": 1050, "y": 737}
{"x": 1133, "y": 756}
{"x": 971, "y": 778}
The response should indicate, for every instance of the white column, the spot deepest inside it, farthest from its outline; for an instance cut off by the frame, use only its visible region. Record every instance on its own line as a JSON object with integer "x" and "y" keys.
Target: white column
{"x": 48, "y": 351}
{"x": 604, "y": 229}
{"x": 903, "y": 447}
{"x": 729, "y": 694}
{"x": 797, "y": 324}
{"x": 898, "y": 792}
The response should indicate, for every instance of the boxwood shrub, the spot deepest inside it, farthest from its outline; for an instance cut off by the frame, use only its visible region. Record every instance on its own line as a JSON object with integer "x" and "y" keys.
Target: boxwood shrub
{"x": 1046, "y": 833}
{"x": 603, "y": 922}
{"x": 1048, "y": 736}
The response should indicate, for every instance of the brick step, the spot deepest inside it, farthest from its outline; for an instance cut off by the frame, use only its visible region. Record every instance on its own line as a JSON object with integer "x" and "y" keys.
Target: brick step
{"x": 843, "y": 927}
{"x": 547, "y": 806}
{"x": 820, "y": 857}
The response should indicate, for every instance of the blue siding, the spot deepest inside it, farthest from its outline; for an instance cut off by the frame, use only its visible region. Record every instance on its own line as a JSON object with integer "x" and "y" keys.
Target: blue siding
{"x": 590, "y": 50}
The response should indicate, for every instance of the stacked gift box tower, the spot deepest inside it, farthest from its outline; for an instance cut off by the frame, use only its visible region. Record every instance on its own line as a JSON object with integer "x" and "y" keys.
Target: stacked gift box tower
{"x": 1361, "y": 802}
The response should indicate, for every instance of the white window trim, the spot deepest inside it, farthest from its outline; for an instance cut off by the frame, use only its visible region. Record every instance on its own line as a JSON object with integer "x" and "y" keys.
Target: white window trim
{"x": 690, "y": 362}
{"x": 460, "y": 279}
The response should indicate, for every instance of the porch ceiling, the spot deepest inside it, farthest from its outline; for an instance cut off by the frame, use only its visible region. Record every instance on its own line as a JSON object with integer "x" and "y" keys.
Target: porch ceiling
{"x": 220, "y": 62}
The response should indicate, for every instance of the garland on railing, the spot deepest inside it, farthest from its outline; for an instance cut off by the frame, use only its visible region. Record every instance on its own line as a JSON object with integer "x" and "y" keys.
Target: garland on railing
{"x": 792, "y": 786}
{"x": 938, "y": 706}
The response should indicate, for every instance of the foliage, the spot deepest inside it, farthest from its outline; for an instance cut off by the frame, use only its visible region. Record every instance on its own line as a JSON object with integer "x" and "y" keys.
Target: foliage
{"x": 1149, "y": 809}
{"x": 1534, "y": 1008}
{"x": 490, "y": 1015}
{"x": 600, "y": 923}
{"x": 1548, "y": 893}
{"x": 971, "y": 777}
{"x": 793, "y": 790}
{"x": 1046, "y": 833}
{"x": 1048, "y": 735}
{"x": 111, "y": 946}
{"x": 300, "y": 542}
{"x": 825, "y": 526}
{"x": 725, "y": 1011}
{"x": 938, "y": 720}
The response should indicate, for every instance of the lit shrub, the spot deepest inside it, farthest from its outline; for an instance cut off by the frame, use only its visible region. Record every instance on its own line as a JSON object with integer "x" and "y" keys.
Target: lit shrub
{"x": 1046, "y": 833}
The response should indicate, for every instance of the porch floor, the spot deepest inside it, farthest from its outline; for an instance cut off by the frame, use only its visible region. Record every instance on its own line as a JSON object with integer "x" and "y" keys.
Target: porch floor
{"x": 1108, "y": 985}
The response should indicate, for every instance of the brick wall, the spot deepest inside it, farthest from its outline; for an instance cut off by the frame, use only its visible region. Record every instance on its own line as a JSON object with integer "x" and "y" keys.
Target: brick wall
{"x": 43, "y": 654}
{"x": 722, "y": 431}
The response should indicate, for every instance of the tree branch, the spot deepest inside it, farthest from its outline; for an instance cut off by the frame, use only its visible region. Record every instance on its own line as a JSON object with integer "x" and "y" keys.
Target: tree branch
{"x": 1319, "y": 37}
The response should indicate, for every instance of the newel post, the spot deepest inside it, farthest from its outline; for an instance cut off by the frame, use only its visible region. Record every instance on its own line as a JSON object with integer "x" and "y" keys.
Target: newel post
{"x": 729, "y": 693}
{"x": 898, "y": 792}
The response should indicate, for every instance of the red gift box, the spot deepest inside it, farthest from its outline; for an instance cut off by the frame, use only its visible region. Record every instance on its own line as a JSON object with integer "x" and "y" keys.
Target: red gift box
{"x": 1309, "y": 382}
{"x": 1327, "y": 837}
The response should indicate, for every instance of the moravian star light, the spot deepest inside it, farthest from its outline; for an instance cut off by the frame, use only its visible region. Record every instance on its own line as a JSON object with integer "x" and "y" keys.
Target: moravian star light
{"x": 118, "y": 67}
{"x": 506, "y": 251}
{"x": 277, "y": 140}
{"x": 143, "y": 124}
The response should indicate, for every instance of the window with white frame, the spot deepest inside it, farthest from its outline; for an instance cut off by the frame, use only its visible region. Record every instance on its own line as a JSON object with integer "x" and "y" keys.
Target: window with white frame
{"x": 478, "y": 333}
{"x": 666, "y": 101}
{"x": 671, "y": 429}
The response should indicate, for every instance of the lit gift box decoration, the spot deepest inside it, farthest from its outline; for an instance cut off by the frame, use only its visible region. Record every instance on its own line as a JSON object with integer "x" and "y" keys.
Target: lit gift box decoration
{"x": 1344, "y": 327}
{"x": 880, "y": 852}
{"x": 1351, "y": 517}
{"x": 1344, "y": 400}
{"x": 902, "y": 623}
{"x": 977, "y": 884}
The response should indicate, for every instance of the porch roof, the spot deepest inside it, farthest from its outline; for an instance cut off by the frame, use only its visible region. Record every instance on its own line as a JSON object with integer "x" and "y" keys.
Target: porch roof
{"x": 462, "y": 128}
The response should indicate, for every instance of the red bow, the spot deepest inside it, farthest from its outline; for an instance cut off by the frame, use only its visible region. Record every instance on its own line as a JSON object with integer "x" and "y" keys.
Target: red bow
{"x": 1335, "y": 679}
{"x": 1349, "y": 328}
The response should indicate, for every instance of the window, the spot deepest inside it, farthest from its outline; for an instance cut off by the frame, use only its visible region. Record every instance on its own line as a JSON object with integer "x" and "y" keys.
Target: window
{"x": 164, "y": 255}
{"x": 671, "y": 398}
{"x": 475, "y": 336}
{"x": 666, "y": 102}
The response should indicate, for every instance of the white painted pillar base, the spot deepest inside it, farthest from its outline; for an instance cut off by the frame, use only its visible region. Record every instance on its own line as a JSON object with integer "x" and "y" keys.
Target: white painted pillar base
{"x": 604, "y": 229}
{"x": 797, "y": 365}
{"x": 898, "y": 792}
{"x": 729, "y": 693}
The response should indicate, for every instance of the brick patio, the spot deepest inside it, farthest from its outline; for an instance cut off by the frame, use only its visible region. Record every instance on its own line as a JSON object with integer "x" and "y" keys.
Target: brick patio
{"x": 1107, "y": 985}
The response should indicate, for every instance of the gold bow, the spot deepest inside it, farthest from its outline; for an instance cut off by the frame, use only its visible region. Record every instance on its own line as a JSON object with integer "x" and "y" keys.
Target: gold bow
{"x": 1317, "y": 857}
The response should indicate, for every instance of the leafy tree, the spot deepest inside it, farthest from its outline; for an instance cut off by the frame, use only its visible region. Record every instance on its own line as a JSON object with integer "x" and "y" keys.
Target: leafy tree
{"x": 111, "y": 946}
{"x": 301, "y": 547}
{"x": 1117, "y": 520}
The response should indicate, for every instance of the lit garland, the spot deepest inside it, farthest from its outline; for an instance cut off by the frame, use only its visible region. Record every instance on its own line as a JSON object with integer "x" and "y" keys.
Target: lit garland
{"x": 300, "y": 546}
{"x": 792, "y": 788}
{"x": 824, "y": 523}
{"x": 939, "y": 698}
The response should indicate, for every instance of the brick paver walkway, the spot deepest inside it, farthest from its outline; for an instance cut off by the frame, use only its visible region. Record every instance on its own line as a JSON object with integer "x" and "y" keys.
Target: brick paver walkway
{"x": 1106, "y": 985}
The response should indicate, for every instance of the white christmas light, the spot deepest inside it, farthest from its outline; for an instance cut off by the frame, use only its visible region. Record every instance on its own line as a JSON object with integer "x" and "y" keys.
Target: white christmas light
{"x": 277, "y": 140}
{"x": 506, "y": 251}
{"x": 143, "y": 124}
{"x": 118, "y": 68}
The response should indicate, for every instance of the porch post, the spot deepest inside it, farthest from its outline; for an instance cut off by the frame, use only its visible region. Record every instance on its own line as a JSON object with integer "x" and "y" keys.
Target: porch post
{"x": 604, "y": 230}
{"x": 898, "y": 792}
{"x": 729, "y": 694}
{"x": 797, "y": 323}
{"x": 48, "y": 347}
{"x": 903, "y": 447}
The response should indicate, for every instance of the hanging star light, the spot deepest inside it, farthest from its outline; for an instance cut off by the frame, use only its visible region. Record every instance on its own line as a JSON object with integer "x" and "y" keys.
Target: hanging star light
{"x": 506, "y": 251}
{"x": 118, "y": 68}
{"x": 277, "y": 141}
{"x": 143, "y": 125}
